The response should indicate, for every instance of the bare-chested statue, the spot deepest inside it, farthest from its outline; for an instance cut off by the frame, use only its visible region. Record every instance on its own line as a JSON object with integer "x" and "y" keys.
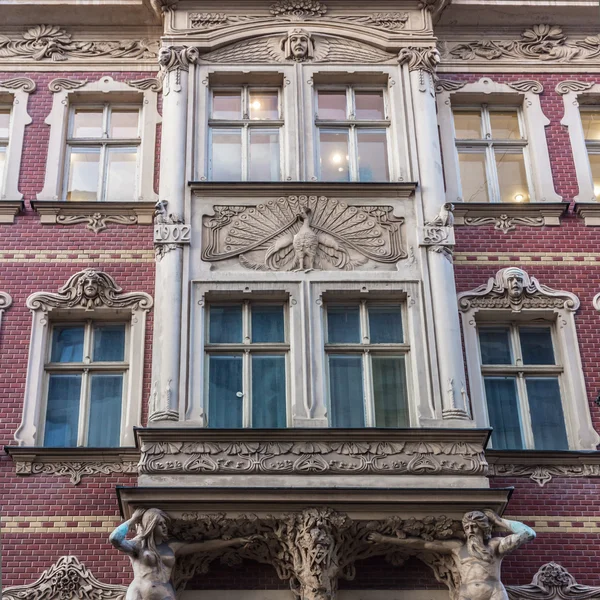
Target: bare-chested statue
{"x": 477, "y": 559}
{"x": 153, "y": 555}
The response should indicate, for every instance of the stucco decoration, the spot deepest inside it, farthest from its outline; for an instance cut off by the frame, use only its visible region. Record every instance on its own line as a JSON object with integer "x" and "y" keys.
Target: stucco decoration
{"x": 448, "y": 85}
{"x": 89, "y": 289}
{"x": 51, "y": 42}
{"x": 151, "y": 83}
{"x": 551, "y": 582}
{"x": 170, "y": 232}
{"x": 97, "y": 221}
{"x": 298, "y": 45}
{"x": 64, "y": 580}
{"x": 540, "y": 43}
{"x": 302, "y": 233}
{"x": 62, "y": 84}
{"x": 19, "y": 83}
{"x": 420, "y": 59}
{"x": 298, "y": 8}
{"x": 504, "y": 222}
{"x": 569, "y": 85}
{"x": 543, "y": 474}
{"x": 174, "y": 60}
{"x": 513, "y": 288}
{"x": 321, "y": 458}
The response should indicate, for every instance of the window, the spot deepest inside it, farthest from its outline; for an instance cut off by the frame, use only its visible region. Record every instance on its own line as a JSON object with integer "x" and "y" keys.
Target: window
{"x": 245, "y": 134}
{"x": 491, "y": 144}
{"x": 590, "y": 119}
{"x": 102, "y": 153}
{"x": 247, "y": 359}
{"x": 4, "y": 129}
{"x": 86, "y": 375}
{"x": 366, "y": 361}
{"x": 522, "y": 387}
{"x": 352, "y": 131}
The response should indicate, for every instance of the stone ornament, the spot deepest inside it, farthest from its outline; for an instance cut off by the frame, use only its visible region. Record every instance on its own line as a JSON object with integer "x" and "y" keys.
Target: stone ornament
{"x": 301, "y": 233}
{"x": 513, "y": 288}
{"x": 19, "y": 83}
{"x": 170, "y": 232}
{"x": 175, "y": 59}
{"x": 65, "y": 579}
{"x": 97, "y": 222}
{"x": 564, "y": 87}
{"x": 89, "y": 289}
{"x": 298, "y": 8}
{"x": 504, "y": 222}
{"x": 420, "y": 59}
{"x": 51, "y": 42}
{"x": 543, "y": 474}
{"x": 545, "y": 43}
{"x": 448, "y": 85}
{"x": 311, "y": 457}
{"x": 305, "y": 47}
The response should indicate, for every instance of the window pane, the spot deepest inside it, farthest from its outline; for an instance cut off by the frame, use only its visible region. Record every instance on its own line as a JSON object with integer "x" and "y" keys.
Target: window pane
{"x": 62, "y": 411}
{"x": 343, "y": 325}
{"x": 385, "y": 325}
{"x": 227, "y": 105}
{"x": 595, "y": 166}
{"x": 109, "y": 343}
{"x": 389, "y": 391}
{"x": 505, "y": 125}
{"x": 547, "y": 417}
{"x": 473, "y": 177}
{"x": 369, "y": 105}
{"x": 334, "y": 159}
{"x": 121, "y": 170}
{"x": 264, "y": 155}
{"x": 346, "y": 391}
{"x": 512, "y": 176}
{"x": 264, "y": 105}
{"x": 124, "y": 124}
{"x": 2, "y": 163}
{"x": 267, "y": 324}
{"x": 467, "y": 125}
{"x": 494, "y": 343}
{"x": 536, "y": 345}
{"x": 84, "y": 167}
{"x": 67, "y": 344}
{"x": 106, "y": 396}
{"x": 331, "y": 105}
{"x": 372, "y": 156}
{"x": 268, "y": 391}
{"x": 226, "y": 159}
{"x": 87, "y": 123}
{"x": 4, "y": 123}
{"x": 225, "y": 406}
{"x": 501, "y": 397}
{"x": 225, "y": 324}
{"x": 590, "y": 120}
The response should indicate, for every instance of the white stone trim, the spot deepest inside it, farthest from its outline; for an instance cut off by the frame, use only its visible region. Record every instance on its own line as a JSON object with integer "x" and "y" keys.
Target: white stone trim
{"x": 63, "y": 90}
{"x": 17, "y": 90}
{"x": 538, "y": 301}
{"x": 570, "y": 92}
{"x": 70, "y": 300}
{"x": 5, "y": 302}
{"x": 535, "y": 123}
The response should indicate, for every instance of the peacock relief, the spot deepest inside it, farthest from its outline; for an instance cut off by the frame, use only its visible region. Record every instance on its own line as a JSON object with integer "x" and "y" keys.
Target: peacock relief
{"x": 302, "y": 233}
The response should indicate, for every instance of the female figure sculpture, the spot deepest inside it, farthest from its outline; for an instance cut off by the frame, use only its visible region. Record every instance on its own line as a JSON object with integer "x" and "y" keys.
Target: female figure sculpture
{"x": 153, "y": 555}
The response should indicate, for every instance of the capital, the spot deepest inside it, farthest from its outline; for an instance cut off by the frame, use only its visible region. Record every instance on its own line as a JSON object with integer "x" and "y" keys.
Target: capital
{"x": 172, "y": 58}
{"x": 420, "y": 59}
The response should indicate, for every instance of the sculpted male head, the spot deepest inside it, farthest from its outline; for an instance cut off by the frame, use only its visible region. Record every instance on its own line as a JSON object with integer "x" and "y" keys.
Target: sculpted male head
{"x": 298, "y": 45}
{"x": 478, "y": 530}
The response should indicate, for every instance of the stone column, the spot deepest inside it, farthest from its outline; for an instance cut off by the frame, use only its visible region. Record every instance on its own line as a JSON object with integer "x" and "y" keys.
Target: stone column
{"x": 170, "y": 234}
{"x": 437, "y": 233}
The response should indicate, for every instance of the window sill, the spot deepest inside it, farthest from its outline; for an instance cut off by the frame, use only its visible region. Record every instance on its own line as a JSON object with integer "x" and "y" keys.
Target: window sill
{"x": 9, "y": 209}
{"x": 74, "y": 463}
{"x": 589, "y": 212}
{"x": 542, "y": 465}
{"x": 97, "y": 215}
{"x": 505, "y": 217}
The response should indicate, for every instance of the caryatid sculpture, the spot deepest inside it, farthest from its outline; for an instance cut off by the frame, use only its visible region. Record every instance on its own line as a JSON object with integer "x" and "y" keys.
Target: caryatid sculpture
{"x": 153, "y": 555}
{"x": 478, "y": 558}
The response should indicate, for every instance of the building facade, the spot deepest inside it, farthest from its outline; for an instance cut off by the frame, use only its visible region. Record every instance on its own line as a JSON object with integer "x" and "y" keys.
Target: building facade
{"x": 305, "y": 276}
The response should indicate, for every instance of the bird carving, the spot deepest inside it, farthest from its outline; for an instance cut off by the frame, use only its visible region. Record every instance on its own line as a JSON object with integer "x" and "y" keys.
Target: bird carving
{"x": 445, "y": 218}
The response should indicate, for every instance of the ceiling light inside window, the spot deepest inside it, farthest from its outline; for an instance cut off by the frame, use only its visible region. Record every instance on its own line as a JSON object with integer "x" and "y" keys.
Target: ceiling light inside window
{"x": 336, "y": 158}
{"x": 519, "y": 198}
{"x": 256, "y": 105}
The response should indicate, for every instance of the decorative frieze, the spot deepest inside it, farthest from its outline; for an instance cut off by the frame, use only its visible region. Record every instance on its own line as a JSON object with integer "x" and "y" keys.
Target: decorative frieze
{"x": 504, "y": 222}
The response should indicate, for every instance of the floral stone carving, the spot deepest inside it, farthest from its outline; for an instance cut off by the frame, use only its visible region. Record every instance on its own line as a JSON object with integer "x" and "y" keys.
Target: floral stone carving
{"x": 64, "y": 580}
{"x": 513, "y": 288}
{"x": 303, "y": 232}
{"x": 298, "y": 8}
{"x": 540, "y": 43}
{"x": 322, "y": 458}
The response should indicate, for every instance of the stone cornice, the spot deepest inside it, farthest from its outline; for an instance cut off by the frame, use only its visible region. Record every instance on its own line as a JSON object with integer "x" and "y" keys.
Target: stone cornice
{"x": 9, "y": 209}
{"x": 589, "y": 212}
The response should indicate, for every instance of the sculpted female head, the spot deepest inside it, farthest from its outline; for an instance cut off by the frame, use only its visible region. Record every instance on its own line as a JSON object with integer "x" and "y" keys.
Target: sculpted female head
{"x": 153, "y": 526}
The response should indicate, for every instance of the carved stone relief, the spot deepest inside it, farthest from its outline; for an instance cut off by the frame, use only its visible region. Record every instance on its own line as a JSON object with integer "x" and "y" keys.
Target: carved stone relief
{"x": 504, "y": 222}
{"x": 438, "y": 233}
{"x": 539, "y": 43}
{"x": 543, "y": 474}
{"x": 513, "y": 288}
{"x": 51, "y": 42}
{"x": 170, "y": 232}
{"x": 302, "y": 233}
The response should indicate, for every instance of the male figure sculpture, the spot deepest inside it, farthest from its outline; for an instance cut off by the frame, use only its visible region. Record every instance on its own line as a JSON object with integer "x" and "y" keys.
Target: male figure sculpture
{"x": 478, "y": 559}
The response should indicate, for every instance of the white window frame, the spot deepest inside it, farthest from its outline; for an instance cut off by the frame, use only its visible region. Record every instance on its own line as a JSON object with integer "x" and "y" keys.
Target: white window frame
{"x": 67, "y": 93}
{"x": 48, "y": 308}
{"x": 524, "y": 94}
{"x": 351, "y": 125}
{"x": 365, "y": 349}
{"x": 248, "y": 349}
{"x": 581, "y": 434}
{"x": 246, "y": 124}
{"x": 86, "y": 369}
{"x": 14, "y": 95}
